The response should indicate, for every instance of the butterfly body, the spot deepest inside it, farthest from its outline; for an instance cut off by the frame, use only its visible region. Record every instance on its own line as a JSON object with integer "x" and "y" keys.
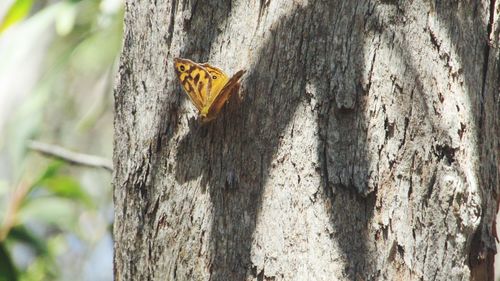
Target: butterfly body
{"x": 208, "y": 87}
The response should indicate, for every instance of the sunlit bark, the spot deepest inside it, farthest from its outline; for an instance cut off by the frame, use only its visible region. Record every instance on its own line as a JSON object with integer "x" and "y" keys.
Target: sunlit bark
{"x": 365, "y": 145}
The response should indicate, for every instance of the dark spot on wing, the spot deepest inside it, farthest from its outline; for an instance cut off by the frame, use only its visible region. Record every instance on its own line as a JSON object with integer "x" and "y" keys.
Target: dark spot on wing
{"x": 200, "y": 86}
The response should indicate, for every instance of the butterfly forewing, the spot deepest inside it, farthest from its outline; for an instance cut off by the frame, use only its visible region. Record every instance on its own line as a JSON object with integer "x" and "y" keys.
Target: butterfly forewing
{"x": 195, "y": 80}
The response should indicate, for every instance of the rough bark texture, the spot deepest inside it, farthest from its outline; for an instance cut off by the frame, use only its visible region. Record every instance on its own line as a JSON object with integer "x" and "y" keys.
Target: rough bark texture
{"x": 366, "y": 145}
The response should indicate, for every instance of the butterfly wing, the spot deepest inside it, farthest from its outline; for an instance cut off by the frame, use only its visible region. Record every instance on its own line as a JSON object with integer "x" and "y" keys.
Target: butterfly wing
{"x": 208, "y": 87}
{"x": 216, "y": 105}
{"x": 219, "y": 79}
{"x": 195, "y": 80}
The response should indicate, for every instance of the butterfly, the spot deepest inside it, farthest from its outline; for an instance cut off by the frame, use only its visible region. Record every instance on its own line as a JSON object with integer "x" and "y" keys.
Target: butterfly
{"x": 208, "y": 87}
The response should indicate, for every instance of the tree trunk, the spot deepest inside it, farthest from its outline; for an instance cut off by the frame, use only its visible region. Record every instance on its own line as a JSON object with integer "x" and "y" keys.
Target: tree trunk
{"x": 365, "y": 146}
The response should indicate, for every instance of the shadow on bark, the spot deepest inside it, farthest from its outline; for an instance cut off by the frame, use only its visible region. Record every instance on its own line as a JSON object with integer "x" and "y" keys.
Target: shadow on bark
{"x": 201, "y": 13}
{"x": 308, "y": 60}
{"x": 479, "y": 67}
{"x": 316, "y": 57}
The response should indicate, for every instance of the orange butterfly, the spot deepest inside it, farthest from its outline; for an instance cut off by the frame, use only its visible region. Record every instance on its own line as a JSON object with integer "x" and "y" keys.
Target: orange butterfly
{"x": 208, "y": 87}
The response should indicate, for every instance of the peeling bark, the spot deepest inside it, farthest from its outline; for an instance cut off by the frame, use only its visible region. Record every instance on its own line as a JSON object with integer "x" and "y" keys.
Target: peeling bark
{"x": 365, "y": 146}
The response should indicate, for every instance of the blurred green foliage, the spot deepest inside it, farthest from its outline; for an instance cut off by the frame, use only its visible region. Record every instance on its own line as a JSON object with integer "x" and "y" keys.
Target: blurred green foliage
{"x": 18, "y": 10}
{"x": 58, "y": 60}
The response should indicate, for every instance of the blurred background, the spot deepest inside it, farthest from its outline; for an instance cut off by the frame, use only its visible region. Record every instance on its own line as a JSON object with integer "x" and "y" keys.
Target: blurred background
{"x": 58, "y": 61}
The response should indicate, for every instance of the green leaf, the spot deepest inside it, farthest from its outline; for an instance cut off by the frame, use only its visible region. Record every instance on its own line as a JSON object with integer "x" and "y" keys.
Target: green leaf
{"x": 7, "y": 270}
{"x": 51, "y": 171}
{"x": 20, "y": 233}
{"x": 66, "y": 187}
{"x": 52, "y": 210}
{"x": 62, "y": 186}
{"x": 18, "y": 11}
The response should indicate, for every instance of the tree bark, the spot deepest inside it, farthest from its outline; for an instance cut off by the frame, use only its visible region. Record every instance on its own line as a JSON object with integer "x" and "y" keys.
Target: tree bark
{"x": 365, "y": 147}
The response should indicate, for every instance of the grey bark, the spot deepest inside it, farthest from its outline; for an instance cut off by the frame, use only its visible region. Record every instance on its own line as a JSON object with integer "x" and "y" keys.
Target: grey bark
{"x": 365, "y": 147}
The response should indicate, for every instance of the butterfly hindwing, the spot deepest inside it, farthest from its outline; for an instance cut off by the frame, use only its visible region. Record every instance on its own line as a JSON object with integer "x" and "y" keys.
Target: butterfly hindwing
{"x": 219, "y": 79}
{"x": 232, "y": 86}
